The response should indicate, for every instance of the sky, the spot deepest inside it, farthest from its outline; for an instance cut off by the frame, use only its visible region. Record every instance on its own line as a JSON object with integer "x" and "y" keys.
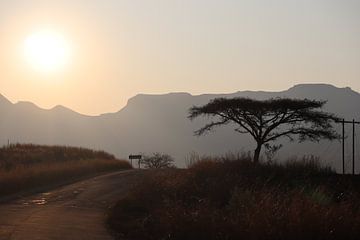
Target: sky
{"x": 120, "y": 48}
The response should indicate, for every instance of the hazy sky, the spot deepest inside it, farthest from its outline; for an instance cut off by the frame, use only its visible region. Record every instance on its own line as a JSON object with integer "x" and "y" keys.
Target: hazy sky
{"x": 124, "y": 47}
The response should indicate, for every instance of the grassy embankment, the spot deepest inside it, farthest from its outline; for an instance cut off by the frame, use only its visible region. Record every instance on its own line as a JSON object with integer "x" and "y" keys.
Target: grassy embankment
{"x": 236, "y": 199}
{"x": 24, "y": 167}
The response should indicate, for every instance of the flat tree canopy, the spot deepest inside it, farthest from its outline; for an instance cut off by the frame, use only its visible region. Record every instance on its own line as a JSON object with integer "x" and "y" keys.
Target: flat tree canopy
{"x": 269, "y": 120}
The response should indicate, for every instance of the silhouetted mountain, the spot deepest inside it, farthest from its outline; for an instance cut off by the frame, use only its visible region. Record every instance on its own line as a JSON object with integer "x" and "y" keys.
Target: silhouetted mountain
{"x": 150, "y": 123}
{"x": 4, "y": 103}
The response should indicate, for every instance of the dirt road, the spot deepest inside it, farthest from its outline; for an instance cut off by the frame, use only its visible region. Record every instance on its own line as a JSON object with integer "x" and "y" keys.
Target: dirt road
{"x": 75, "y": 211}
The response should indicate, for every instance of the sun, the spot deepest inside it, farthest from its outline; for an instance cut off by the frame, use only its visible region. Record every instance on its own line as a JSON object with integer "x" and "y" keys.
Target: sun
{"x": 46, "y": 51}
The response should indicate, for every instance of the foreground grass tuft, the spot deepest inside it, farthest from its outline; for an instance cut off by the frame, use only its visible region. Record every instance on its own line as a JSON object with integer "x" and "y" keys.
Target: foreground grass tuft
{"x": 24, "y": 167}
{"x": 236, "y": 199}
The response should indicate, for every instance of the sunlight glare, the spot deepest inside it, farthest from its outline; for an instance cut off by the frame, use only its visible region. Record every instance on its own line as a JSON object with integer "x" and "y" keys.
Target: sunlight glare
{"x": 46, "y": 51}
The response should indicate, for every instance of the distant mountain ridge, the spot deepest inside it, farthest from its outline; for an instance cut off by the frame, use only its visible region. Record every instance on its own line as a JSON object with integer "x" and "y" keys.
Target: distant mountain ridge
{"x": 150, "y": 123}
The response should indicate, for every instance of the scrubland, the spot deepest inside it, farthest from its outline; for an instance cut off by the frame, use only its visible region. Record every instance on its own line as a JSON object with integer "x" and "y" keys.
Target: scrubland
{"x": 233, "y": 198}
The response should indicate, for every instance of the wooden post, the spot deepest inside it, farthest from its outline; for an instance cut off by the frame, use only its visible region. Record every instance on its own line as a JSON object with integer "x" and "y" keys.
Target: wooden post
{"x": 343, "y": 146}
{"x": 353, "y": 147}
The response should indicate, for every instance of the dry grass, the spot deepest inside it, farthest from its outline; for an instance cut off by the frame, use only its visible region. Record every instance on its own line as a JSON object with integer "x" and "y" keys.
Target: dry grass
{"x": 231, "y": 198}
{"x": 25, "y": 167}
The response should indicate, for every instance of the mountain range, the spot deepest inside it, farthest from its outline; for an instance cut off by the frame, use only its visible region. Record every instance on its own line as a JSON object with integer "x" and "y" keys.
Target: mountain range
{"x": 159, "y": 123}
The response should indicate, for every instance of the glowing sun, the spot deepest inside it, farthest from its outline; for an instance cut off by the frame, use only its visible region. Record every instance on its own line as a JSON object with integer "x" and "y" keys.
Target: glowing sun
{"x": 46, "y": 51}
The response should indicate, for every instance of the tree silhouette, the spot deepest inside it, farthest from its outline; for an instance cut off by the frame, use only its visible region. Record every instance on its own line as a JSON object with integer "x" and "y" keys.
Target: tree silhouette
{"x": 269, "y": 120}
{"x": 158, "y": 160}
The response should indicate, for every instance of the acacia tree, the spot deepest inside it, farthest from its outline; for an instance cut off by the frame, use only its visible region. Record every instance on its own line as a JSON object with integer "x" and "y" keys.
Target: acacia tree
{"x": 269, "y": 120}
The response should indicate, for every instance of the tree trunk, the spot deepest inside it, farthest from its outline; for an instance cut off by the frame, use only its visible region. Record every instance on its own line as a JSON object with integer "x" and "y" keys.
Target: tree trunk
{"x": 257, "y": 153}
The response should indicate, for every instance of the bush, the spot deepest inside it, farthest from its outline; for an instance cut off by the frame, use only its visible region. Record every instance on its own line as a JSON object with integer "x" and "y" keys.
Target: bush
{"x": 158, "y": 160}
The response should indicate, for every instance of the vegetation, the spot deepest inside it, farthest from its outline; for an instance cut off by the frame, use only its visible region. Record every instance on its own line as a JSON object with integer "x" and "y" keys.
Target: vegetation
{"x": 268, "y": 120}
{"x": 158, "y": 160}
{"x": 25, "y": 166}
{"x": 235, "y": 198}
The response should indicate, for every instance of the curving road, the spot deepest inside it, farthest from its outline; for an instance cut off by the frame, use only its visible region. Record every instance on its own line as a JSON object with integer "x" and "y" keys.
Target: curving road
{"x": 76, "y": 211}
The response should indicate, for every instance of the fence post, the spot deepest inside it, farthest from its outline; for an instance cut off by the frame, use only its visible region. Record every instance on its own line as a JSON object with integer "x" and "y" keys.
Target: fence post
{"x": 343, "y": 145}
{"x": 353, "y": 147}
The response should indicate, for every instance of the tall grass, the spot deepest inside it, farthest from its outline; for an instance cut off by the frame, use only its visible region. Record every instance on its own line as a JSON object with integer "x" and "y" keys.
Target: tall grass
{"x": 24, "y": 167}
{"x": 233, "y": 198}
{"x": 29, "y": 154}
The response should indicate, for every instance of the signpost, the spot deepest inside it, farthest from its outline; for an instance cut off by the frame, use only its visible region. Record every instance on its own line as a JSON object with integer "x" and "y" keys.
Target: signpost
{"x": 138, "y": 157}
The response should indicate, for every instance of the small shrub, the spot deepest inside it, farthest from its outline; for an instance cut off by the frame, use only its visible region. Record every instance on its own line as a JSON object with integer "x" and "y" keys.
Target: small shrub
{"x": 158, "y": 160}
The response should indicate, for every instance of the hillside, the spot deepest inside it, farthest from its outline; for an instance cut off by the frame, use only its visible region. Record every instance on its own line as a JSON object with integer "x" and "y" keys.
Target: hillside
{"x": 150, "y": 123}
{"x": 28, "y": 167}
